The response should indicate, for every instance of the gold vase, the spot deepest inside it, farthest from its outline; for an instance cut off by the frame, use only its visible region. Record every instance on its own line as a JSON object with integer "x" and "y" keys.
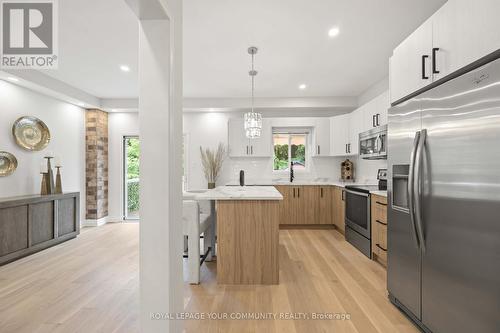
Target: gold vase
{"x": 44, "y": 187}
{"x": 58, "y": 189}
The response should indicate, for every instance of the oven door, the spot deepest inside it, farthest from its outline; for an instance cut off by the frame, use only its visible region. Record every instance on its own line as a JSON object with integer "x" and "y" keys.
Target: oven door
{"x": 357, "y": 212}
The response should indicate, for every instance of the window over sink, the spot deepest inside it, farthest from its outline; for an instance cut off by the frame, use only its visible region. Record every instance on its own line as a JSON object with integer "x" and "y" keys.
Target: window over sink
{"x": 290, "y": 146}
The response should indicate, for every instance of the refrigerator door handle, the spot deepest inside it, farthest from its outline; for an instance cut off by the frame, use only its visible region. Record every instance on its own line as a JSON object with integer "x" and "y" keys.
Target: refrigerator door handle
{"x": 411, "y": 184}
{"x": 418, "y": 186}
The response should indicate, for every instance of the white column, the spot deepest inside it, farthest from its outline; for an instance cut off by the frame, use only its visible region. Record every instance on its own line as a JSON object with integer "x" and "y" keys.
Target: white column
{"x": 160, "y": 117}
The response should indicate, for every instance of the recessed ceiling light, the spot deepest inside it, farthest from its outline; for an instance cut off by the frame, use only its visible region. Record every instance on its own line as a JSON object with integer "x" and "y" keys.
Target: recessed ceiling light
{"x": 125, "y": 68}
{"x": 302, "y": 86}
{"x": 333, "y": 32}
{"x": 13, "y": 79}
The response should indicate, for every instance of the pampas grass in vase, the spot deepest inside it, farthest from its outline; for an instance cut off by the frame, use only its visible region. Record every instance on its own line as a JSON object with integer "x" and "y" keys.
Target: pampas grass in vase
{"x": 212, "y": 163}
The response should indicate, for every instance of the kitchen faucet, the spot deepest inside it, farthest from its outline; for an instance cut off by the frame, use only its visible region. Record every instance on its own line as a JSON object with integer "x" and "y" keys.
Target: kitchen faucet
{"x": 291, "y": 172}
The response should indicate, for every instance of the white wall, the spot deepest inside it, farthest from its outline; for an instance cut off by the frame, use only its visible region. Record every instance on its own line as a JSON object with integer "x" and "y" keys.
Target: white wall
{"x": 67, "y": 126}
{"x": 208, "y": 129}
{"x": 374, "y": 91}
{"x": 119, "y": 125}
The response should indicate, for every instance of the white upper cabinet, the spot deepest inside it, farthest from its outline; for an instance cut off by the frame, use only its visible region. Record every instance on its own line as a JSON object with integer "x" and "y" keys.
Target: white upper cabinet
{"x": 356, "y": 126}
{"x": 384, "y": 104}
{"x": 375, "y": 111}
{"x": 459, "y": 33}
{"x": 410, "y": 64}
{"x": 241, "y": 146}
{"x": 321, "y": 142}
{"x": 262, "y": 147}
{"x": 237, "y": 140}
{"x": 339, "y": 128}
{"x": 463, "y": 32}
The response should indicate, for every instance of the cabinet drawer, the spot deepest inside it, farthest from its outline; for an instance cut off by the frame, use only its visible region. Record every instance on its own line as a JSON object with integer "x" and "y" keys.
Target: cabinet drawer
{"x": 379, "y": 228}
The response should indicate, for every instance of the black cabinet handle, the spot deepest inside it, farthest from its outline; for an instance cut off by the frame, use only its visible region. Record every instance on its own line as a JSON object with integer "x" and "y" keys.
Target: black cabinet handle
{"x": 294, "y": 192}
{"x": 378, "y": 119}
{"x": 424, "y": 57}
{"x": 381, "y": 203}
{"x": 378, "y": 221}
{"x": 349, "y": 148}
{"x": 343, "y": 195}
{"x": 251, "y": 150}
{"x": 373, "y": 121}
{"x": 321, "y": 190}
{"x": 434, "y": 69}
{"x": 380, "y": 247}
{"x": 319, "y": 150}
{"x": 298, "y": 192}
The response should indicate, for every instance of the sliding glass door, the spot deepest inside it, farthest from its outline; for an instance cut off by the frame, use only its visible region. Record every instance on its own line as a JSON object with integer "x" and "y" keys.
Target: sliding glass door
{"x": 131, "y": 162}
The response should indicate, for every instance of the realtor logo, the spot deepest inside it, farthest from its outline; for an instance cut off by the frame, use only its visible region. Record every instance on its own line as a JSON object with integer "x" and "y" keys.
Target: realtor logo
{"x": 29, "y": 34}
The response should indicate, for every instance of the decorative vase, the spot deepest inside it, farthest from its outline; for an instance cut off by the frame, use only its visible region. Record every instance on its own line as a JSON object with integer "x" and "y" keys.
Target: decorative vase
{"x": 58, "y": 189}
{"x": 44, "y": 187}
{"x": 50, "y": 176}
{"x": 211, "y": 186}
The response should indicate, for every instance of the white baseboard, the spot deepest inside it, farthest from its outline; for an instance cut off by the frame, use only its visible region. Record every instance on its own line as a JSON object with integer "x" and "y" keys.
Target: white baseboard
{"x": 113, "y": 219}
{"x": 95, "y": 223}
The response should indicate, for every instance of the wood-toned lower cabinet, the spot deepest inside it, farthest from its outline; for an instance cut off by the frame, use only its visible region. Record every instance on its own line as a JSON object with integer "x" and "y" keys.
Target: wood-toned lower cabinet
{"x": 379, "y": 228}
{"x": 306, "y": 205}
{"x": 326, "y": 196}
{"x": 339, "y": 208}
{"x": 286, "y": 205}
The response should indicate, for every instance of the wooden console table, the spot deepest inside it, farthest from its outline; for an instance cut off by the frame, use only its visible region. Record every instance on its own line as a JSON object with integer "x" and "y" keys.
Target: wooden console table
{"x": 31, "y": 223}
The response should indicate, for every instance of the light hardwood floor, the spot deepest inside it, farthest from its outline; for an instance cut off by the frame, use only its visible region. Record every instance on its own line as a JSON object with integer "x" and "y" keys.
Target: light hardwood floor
{"x": 91, "y": 285}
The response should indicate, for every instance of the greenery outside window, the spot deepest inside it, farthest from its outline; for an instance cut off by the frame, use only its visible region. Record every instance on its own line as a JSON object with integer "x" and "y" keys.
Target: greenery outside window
{"x": 290, "y": 147}
{"x": 132, "y": 165}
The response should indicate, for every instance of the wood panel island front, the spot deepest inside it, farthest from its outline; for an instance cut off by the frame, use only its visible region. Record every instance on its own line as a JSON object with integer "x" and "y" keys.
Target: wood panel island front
{"x": 248, "y": 220}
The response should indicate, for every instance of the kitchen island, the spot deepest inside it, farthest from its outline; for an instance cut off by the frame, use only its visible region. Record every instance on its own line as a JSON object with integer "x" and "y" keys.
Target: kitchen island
{"x": 247, "y": 233}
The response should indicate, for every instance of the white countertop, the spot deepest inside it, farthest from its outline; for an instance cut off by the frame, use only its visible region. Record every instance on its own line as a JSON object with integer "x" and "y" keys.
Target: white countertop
{"x": 380, "y": 193}
{"x": 301, "y": 182}
{"x": 240, "y": 193}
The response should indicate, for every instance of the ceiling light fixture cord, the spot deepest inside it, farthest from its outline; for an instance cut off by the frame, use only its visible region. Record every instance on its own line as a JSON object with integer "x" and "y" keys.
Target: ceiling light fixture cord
{"x": 252, "y": 119}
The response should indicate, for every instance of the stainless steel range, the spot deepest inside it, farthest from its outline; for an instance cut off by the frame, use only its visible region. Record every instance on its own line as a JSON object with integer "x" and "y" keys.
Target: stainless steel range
{"x": 357, "y": 213}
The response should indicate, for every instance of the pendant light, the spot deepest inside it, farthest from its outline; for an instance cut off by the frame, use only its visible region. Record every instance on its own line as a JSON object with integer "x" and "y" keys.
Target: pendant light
{"x": 252, "y": 119}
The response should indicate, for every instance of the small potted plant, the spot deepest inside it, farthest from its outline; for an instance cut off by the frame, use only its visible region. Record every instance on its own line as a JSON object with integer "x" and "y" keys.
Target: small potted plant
{"x": 212, "y": 163}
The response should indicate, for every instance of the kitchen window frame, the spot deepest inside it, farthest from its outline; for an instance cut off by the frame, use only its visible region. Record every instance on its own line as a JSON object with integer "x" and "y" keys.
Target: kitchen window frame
{"x": 294, "y": 131}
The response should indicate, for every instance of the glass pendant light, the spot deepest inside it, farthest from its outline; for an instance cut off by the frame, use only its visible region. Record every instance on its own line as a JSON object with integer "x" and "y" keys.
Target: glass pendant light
{"x": 252, "y": 119}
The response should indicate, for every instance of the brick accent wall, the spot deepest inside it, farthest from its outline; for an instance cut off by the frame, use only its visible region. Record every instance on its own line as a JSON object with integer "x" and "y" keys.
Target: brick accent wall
{"x": 96, "y": 156}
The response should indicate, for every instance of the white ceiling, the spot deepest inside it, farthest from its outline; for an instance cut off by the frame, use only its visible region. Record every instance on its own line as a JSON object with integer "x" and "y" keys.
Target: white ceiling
{"x": 294, "y": 47}
{"x": 97, "y": 36}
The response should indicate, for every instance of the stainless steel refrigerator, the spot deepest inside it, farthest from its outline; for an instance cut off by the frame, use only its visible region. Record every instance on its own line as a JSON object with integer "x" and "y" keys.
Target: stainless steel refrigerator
{"x": 444, "y": 203}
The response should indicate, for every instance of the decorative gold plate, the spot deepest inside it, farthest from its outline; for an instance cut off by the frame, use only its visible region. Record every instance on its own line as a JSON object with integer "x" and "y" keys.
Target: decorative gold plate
{"x": 31, "y": 133}
{"x": 8, "y": 164}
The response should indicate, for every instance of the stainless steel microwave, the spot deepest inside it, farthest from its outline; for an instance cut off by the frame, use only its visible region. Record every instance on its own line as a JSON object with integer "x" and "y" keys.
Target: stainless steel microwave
{"x": 373, "y": 144}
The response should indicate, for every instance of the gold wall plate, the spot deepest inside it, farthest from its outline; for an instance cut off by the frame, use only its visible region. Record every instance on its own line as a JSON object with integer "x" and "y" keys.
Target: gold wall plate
{"x": 31, "y": 133}
{"x": 8, "y": 164}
